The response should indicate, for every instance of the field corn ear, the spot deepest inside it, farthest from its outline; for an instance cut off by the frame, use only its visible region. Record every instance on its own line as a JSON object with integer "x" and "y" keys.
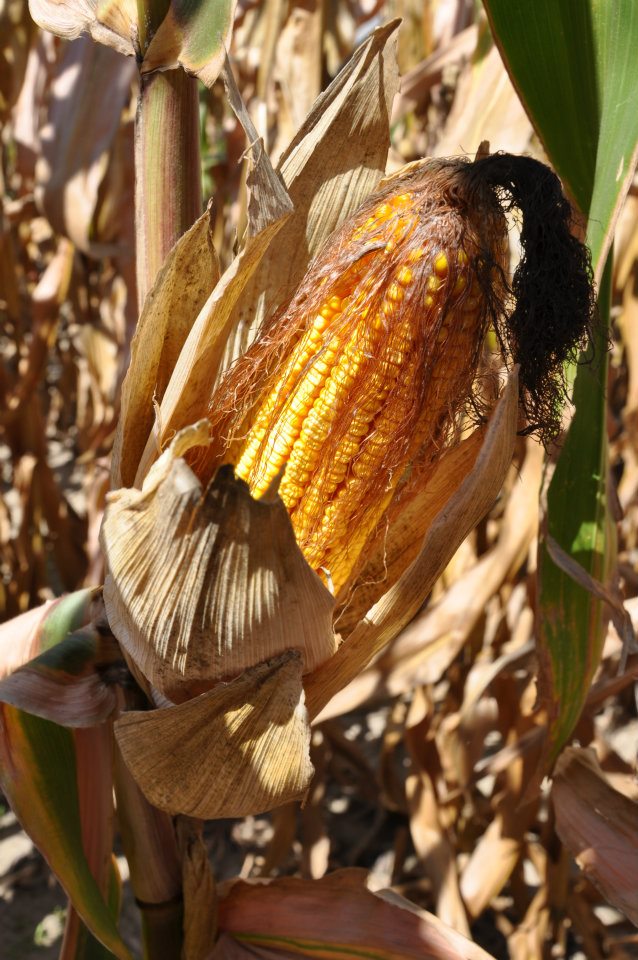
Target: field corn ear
{"x": 362, "y": 376}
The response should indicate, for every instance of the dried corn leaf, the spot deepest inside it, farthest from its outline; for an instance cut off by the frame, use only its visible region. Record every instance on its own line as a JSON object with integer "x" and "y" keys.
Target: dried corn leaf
{"x": 181, "y": 288}
{"x": 491, "y": 864}
{"x": 91, "y": 87}
{"x": 113, "y": 24}
{"x": 203, "y": 584}
{"x": 597, "y": 824}
{"x": 486, "y": 107}
{"x": 239, "y": 749}
{"x": 190, "y": 386}
{"x": 329, "y": 169}
{"x": 200, "y": 899}
{"x": 16, "y": 31}
{"x": 297, "y": 68}
{"x": 450, "y": 527}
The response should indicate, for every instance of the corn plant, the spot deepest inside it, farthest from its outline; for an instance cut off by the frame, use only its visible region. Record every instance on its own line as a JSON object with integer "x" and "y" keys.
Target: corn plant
{"x": 279, "y": 421}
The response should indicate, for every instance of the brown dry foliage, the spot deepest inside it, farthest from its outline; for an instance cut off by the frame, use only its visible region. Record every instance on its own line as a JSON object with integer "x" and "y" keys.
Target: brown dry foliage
{"x": 422, "y": 763}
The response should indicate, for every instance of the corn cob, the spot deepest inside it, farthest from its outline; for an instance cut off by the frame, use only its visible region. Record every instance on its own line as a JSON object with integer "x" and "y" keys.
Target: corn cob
{"x": 365, "y": 371}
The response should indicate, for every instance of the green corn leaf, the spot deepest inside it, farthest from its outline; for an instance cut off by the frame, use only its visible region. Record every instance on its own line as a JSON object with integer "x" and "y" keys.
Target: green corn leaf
{"x": 39, "y": 777}
{"x": 59, "y": 782}
{"x": 574, "y": 65}
{"x": 572, "y": 621}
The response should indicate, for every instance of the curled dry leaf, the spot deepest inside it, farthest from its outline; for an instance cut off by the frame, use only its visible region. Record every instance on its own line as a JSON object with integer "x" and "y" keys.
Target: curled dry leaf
{"x": 597, "y": 824}
{"x": 192, "y": 36}
{"x": 205, "y": 583}
{"x": 241, "y": 748}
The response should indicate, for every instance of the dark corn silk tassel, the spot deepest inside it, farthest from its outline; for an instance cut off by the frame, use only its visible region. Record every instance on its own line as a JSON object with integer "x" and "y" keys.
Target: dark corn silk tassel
{"x": 367, "y": 369}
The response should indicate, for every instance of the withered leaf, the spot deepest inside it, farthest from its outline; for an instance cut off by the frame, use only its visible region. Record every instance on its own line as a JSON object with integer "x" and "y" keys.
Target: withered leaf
{"x": 239, "y": 749}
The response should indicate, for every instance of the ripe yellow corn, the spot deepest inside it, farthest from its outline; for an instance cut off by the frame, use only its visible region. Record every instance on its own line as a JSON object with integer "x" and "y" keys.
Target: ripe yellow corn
{"x": 348, "y": 395}
{"x": 379, "y": 350}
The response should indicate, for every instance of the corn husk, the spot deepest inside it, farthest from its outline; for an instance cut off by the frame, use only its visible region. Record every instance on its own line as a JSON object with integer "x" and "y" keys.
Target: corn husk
{"x": 204, "y": 583}
{"x": 242, "y": 747}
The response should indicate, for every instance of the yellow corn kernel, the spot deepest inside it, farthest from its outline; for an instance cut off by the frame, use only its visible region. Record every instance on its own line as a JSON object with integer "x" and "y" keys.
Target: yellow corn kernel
{"x": 380, "y": 357}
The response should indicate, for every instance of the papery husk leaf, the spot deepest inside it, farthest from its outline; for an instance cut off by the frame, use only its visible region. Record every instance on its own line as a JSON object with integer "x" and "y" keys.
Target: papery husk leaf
{"x": 290, "y": 914}
{"x": 69, "y": 684}
{"x": 239, "y": 749}
{"x": 195, "y": 371}
{"x": 113, "y": 24}
{"x": 334, "y": 162}
{"x": 205, "y": 583}
{"x": 396, "y": 608}
{"x": 597, "y": 824}
{"x": 91, "y": 87}
{"x": 194, "y": 36}
{"x": 182, "y": 287}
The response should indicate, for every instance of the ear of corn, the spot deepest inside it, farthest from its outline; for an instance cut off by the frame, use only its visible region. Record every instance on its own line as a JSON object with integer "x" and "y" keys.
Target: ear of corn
{"x": 366, "y": 368}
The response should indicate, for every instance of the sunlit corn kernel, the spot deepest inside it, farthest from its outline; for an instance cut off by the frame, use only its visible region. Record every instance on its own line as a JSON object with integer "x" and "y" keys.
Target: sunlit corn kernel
{"x": 434, "y": 284}
{"x": 441, "y": 265}
{"x": 396, "y": 293}
{"x": 415, "y": 255}
{"x": 404, "y": 276}
{"x": 460, "y": 285}
{"x": 429, "y": 301}
{"x": 383, "y": 211}
{"x": 462, "y": 257}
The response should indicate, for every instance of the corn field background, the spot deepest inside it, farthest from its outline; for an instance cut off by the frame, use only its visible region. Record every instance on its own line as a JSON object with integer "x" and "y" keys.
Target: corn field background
{"x": 422, "y": 763}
